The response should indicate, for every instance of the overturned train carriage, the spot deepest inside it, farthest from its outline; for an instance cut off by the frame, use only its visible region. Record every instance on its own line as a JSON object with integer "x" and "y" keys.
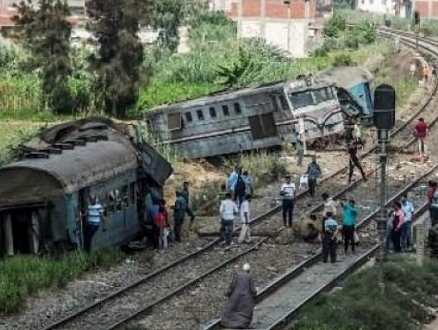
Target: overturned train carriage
{"x": 255, "y": 118}
{"x": 44, "y": 196}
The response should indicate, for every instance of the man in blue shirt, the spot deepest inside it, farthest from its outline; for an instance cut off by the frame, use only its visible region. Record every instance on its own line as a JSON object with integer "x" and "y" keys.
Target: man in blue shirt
{"x": 179, "y": 213}
{"x": 232, "y": 180}
{"x": 349, "y": 223}
{"x": 94, "y": 218}
{"x": 329, "y": 239}
{"x": 408, "y": 210}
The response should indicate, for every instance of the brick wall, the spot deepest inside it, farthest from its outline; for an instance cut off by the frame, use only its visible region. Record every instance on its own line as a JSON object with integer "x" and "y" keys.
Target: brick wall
{"x": 275, "y": 9}
{"x": 425, "y": 10}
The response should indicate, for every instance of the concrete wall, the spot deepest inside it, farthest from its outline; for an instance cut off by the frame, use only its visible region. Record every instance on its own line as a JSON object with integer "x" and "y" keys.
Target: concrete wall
{"x": 289, "y": 35}
{"x": 387, "y": 7}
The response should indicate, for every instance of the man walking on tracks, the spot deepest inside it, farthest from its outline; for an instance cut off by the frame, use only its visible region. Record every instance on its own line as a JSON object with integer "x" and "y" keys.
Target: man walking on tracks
{"x": 348, "y": 224}
{"x": 179, "y": 213}
{"x": 313, "y": 173}
{"x": 420, "y": 132}
{"x": 353, "y": 144}
{"x": 408, "y": 210}
{"x": 245, "y": 234}
{"x": 239, "y": 309}
{"x": 227, "y": 211}
{"x": 329, "y": 239}
{"x": 287, "y": 193}
{"x": 186, "y": 195}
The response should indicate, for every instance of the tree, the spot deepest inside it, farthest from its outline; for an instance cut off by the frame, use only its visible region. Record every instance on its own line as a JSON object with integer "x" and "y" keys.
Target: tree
{"x": 117, "y": 64}
{"x": 167, "y": 16}
{"x": 45, "y": 32}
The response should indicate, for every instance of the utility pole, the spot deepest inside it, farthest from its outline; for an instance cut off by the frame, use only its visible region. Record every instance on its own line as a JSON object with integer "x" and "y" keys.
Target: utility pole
{"x": 287, "y": 3}
{"x": 384, "y": 120}
{"x": 416, "y": 27}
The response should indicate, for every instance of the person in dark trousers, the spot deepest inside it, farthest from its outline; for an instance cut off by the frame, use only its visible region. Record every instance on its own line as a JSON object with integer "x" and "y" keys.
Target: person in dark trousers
{"x": 349, "y": 223}
{"x": 397, "y": 226}
{"x": 179, "y": 213}
{"x": 239, "y": 189}
{"x": 94, "y": 219}
{"x": 353, "y": 143}
{"x": 329, "y": 239}
{"x": 299, "y": 147}
{"x": 313, "y": 173}
{"x": 287, "y": 193}
{"x": 432, "y": 200}
{"x": 186, "y": 195}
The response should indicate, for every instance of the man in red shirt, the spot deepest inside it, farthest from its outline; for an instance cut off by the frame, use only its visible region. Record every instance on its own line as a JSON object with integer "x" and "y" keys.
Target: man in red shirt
{"x": 420, "y": 131}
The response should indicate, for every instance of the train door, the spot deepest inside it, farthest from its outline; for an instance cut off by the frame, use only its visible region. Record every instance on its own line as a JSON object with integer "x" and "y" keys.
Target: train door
{"x": 262, "y": 126}
{"x": 20, "y": 231}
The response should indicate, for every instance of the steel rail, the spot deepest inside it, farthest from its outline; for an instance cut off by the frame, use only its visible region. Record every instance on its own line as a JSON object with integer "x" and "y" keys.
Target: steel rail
{"x": 339, "y": 278}
{"x": 301, "y": 268}
{"x": 269, "y": 213}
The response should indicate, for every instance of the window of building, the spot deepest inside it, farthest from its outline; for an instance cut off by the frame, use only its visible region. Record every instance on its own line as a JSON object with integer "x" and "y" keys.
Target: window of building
{"x": 212, "y": 112}
{"x": 237, "y": 108}
{"x": 189, "y": 117}
{"x": 200, "y": 114}
{"x": 225, "y": 110}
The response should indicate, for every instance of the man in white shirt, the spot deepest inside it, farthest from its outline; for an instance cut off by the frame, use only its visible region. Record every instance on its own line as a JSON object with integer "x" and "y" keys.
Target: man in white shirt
{"x": 287, "y": 193}
{"x": 245, "y": 234}
{"x": 227, "y": 211}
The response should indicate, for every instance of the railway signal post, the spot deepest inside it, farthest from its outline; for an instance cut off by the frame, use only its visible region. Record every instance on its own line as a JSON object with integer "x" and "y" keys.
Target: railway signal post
{"x": 384, "y": 121}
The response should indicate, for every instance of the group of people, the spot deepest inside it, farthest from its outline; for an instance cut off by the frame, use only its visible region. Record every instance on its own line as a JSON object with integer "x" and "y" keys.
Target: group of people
{"x": 157, "y": 217}
{"x": 399, "y": 225}
{"x": 237, "y": 201}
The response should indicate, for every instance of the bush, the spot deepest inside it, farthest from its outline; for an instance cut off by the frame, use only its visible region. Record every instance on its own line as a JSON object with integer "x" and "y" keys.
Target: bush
{"x": 361, "y": 305}
{"x": 21, "y": 277}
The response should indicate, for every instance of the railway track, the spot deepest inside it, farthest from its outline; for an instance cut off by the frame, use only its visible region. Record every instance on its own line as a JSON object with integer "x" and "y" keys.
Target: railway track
{"x": 285, "y": 296}
{"x": 129, "y": 302}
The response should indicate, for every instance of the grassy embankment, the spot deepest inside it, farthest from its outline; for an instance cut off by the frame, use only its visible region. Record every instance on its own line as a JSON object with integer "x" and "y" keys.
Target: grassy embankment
{"x": 410, "y": 294}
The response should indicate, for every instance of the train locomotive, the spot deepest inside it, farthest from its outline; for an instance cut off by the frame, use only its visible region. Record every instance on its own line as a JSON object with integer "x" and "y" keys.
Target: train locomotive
{"x": 44, "y": 195}
{"x": 265, "y": 116}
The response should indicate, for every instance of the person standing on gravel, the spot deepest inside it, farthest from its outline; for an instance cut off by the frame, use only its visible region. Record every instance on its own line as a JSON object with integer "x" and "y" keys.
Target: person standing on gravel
{"x": 420, "y": 131}
{"x": 287, "y": 193}
{"x": 353, "y": 144}
{"x": 330, "y": 205}
{"x": 179, "y": 213}
{"x": 348, "y": 224}
{"x": 408, "y": 210}
{"x": 227, "y": 211}
{"x": 329, "y": 240}
{"x": 241, "y": 293}
{"x": 245, "y": 233}
{"x": 313, "y": 173}
{"x": 432, "y": 200}
{"x": 186, "y": 195}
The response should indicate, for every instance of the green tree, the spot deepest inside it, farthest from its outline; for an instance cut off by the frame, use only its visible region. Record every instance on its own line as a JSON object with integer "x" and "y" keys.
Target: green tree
{"x": 167, "y": 16}
{"x": 45, "y": 33}
{"x": 117, "y": 64}
{"x": 334, "y": 26}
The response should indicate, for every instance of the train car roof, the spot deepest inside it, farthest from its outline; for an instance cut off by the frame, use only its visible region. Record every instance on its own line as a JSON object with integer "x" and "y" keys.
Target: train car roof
{"x": 225, "y": 95}
{"x": 67, "y": 172}
{"x": 348, "y": 76}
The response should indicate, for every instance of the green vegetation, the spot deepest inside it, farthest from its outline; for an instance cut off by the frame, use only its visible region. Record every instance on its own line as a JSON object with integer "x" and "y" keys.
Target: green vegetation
{"x": 409, "y": 292}
{"x": 21, "y": 277}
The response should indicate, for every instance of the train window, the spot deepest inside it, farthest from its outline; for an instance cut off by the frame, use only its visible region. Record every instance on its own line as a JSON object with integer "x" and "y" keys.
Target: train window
{"x": 111, "y": 201}
{"x": 200, "y": 114}
{"x": 237, "y": 108}
{"x": 225, "y": 110}
{"x": 189, "y": 117}
{"x": 118, "y": 200}
{"x": 301, "y": 99}
{"x": 274, "y": 103}
{"x": 322, "y": 95}
{"x": 213, "y": 112}
{"x": 174, "y": 121}
{"x": 283, "y": 102}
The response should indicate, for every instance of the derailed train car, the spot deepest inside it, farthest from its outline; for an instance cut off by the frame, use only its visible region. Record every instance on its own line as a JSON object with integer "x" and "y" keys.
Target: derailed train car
{"x": 44, "y": 196}
{"x": 260, "y": 117}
